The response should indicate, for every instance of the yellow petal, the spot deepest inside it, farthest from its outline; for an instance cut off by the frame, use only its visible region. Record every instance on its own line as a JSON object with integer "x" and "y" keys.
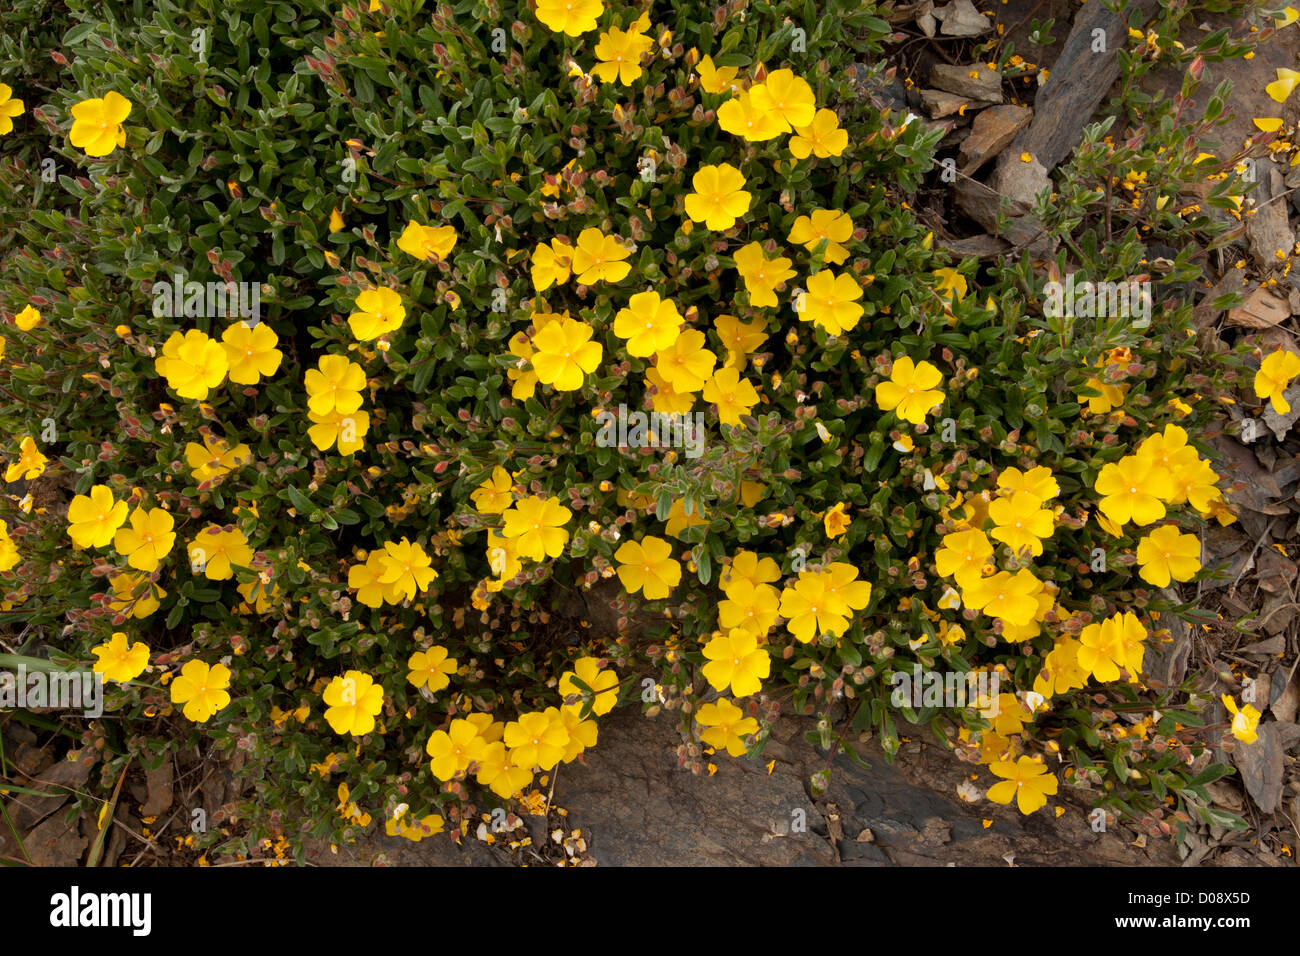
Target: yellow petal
{"x": 1268, "y": 125}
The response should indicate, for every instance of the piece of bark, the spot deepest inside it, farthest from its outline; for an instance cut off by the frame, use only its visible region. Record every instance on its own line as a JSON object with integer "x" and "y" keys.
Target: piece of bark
{"x": 1261, "y": 310}
{"x": 1262, "y": 765}
{"x": 992, "y": 131}
{"x": 1268, "y": 232}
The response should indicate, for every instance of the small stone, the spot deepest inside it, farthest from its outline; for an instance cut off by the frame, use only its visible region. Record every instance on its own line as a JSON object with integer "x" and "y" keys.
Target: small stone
{"x": 975, "y": 81}
{"x": 992, "y": 132}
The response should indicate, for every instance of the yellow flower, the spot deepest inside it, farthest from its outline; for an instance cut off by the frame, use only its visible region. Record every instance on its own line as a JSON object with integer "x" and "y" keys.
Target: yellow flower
{"x": 735, "y": 660}
{"x": 28, "y": 318}
{"x": 732, "y": 395}
{"x": 836, "y": 522}
{"x": 9, "y": 108}
{"x": 563, "y": 354}
{"x": 824, "y": 224}
{"x": 451, "y": 751}
{"x": 1274, "y": 376}
{"x": 1133, "y": 489}
{"x": 1107, "y": 397}
{"x": 192, "y": 363}
{"x": 379, "y": 311}
{"x": 364, "y": 579}
{"x": 822, "y": 137}
{"x": 620, "y": 52}
{"x": 910, "y": 391}
{"x": 551, "y": 264}
{"x": 808, "y": 610}
{"x": 537, "y": 739}
{"x": 1061, "y": 671}
{"x": 719, "y": 198}
{"x": 686, "y": 364}
{"x": 201, "y": 689}
{"x": 251, "y": 353}
{"x": 963, "y": 556}
{"x": 1165, "y": 555}
{"x": 406, "y": 569}
{"x": 1103, "y": 647}
{"x": 1009, "y": 597}
{"x": 117, "y": 661}
{"x": 134, "y": 595}
{"x": 93, "y": 518}
{"x": 216, "y": 553}
{"x": 347, "y": 430}
{"x": 740, "y": 338}
{"x": 648, "y": 566}
{"x": 148, "y": 540}
{"x": 1281, "y": 88}
{"x": 1021, "y": 522}
{"x": 599, "y": 258}
{"x": 754, "y": 607}
{"x": 726, "y": 726}
{"x": 761, "y": 274}
{"x": 431, "y": 668}
{"x": 716, "y": 79}
{"x": 498, "y": 769}
{"x": 602, "y": 684}
{"x": 665, "y": 399}
{"x": 536, "y": 526}
{"x": 1027, "y": 781}
{"x": 97, "y": 124}
{"x": 9, "y": 556}
{"x": 261, "y": 603}
{"x": 430, "y": 243}
{"x": 582, "y": 733}
{"x": 786, "y": 97}
{"x": 334, "y": 386}
{"x": 571, "y": 17}
{"x": 215, "y": 458}
{"x": 415, "y": 832}
{"x": 743, "y": 116}
{"x": 1245, "y": 721}
{"x": 831, "y": 302}
{"x": 30, "y": 464}
{"x": 352, "y": 702}
{"x": 649, "y": 323}
{"x": 678, "y": 520}
{"x": 336, "y": 220}
{"x": 1037, "y": 481}
{"x": 494, "y": 495}
{"x": 951, "y": 284}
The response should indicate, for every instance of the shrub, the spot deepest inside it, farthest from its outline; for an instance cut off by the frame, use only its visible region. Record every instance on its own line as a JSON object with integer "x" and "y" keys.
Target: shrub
{"x": 464, "y": 240}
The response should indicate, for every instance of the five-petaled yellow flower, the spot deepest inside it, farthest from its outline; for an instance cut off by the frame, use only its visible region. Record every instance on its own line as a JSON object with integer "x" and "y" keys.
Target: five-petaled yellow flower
{"x": 93, "y": 519}
{"x": 97, "y": 124}
{"x": 910, "y": 391}
{"x": 353, "y": 701}
{"x": 719, "y": 198}
{"x": 201, "y": 689}
{"x": 9, "y": 108}
{"x": 648, "y": 566}
{"x": 1028, "y": 782}
{"x": 118, "y": 661}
